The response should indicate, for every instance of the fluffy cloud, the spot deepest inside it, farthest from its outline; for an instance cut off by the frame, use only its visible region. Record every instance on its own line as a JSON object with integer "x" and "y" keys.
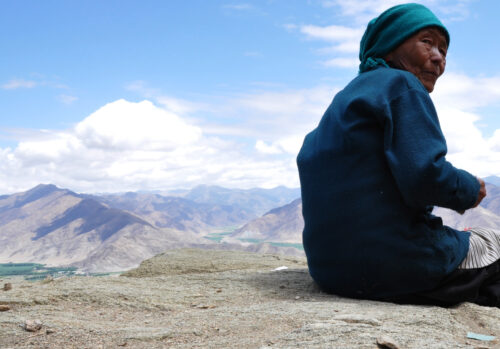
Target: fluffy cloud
{"x": 459, "y": 100}
{"x": 131, "y": 146}
{"x": 122, "y": 125}
{"x": 286, "y": 145}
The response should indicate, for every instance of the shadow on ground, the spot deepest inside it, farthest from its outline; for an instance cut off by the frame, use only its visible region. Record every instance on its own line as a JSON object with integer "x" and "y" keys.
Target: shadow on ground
{"x": 286, "y": 284}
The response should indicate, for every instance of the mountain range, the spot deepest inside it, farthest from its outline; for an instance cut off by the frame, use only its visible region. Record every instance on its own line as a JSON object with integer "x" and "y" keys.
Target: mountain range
{"x": 59, "y": 227}
{"x": 115, "y": 232}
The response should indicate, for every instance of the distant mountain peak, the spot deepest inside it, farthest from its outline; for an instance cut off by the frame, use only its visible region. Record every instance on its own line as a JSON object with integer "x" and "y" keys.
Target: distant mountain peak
{"x": 46, "y": 188}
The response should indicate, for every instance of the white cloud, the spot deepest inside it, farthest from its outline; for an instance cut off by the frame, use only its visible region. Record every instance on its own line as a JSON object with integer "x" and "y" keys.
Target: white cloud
{"x": 18, "y": 83}
{"x": 264, "y": 148}
{"x": 466, "y": 92}
{"x": 342, "y": 62}
{"x": 362, "y": 11}
{"x": 344, "y": 40}
{"x": 290, "y": 145}
{"x": 334, "y": 33}
{"x": 459, "y": 99}
{"x": 131, "y": 146}
{"x": 126, "y": 125}
{"x": 67, "y": 99}
{"x": 179, "y": 106}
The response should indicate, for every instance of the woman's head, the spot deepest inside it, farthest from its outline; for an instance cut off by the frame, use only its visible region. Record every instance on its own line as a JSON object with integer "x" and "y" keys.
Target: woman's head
{"x": 423, "y": 54}
{"x": 408, "y": 37}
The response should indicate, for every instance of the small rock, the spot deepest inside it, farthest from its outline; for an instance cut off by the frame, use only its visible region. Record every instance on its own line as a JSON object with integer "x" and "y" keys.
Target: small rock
{"x": 4, "y": 307}
{"x": 297, "y": 297}
{"x": 7, "y": 286}
{"x": 49, "y": 331}
{"x": 32, "y": 325}
{"x": 358, "y": 319}
{"x": 387, "y": 342}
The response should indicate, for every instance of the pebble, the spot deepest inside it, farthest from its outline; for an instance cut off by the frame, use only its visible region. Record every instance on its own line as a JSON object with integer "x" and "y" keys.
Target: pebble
{"x": 203, "y": 306}
{"x": 32, "y": 325}
{"x": 7, "y": 286}
{"x": 358, "y": 319}
{"x": 387, "y": 342}
{"x": 50, "y": 331}
{"x": 4, "y": 307}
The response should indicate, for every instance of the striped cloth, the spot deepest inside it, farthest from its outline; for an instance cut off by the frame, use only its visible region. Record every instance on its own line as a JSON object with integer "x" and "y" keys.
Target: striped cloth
{"x": 484, "y": 248}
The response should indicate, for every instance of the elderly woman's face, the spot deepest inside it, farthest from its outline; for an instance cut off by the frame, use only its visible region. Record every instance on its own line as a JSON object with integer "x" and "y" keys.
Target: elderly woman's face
{"x": 423, "y": 54}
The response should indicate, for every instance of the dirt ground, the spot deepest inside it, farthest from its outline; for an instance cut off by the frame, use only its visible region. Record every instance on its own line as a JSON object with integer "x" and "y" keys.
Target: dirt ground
{"x": 223, "y": 299}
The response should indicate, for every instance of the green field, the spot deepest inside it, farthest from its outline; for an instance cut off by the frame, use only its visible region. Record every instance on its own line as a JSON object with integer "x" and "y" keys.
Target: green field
{"x": 279, "y": 244}
{"x": 33, "y": 271}
{"x": 217, "y": 237}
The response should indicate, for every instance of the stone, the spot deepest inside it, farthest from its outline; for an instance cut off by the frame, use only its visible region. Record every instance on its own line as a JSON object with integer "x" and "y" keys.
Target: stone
{"x": 358, "y": 319}
{"x": 387, "y": 342}
{"x": 7, "y": 286}
{"x": 33, "y": 325}
{"x": 4, "y": 307}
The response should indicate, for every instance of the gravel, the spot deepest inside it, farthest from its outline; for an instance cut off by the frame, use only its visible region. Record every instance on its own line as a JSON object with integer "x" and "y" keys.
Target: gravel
{"x": 223, "y": 299}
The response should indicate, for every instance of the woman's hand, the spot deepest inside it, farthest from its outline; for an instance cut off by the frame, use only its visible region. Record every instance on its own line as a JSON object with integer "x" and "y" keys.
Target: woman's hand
{"x": 482, "y": 192}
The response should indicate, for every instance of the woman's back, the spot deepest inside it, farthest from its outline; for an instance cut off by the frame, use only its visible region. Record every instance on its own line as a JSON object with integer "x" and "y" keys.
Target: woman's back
{"x": 368, "y": 175}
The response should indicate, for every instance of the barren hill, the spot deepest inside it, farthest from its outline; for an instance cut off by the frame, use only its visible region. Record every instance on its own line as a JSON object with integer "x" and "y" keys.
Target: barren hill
{"x": 177, "y": 212}
{"x": 216, "y": 299}
{"x": 283, "y": 224}
{"x": 59, "y": 227}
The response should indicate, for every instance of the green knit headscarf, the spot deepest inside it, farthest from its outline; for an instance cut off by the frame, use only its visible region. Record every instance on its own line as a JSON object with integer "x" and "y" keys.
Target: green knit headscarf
{"x": 390, "y": 29}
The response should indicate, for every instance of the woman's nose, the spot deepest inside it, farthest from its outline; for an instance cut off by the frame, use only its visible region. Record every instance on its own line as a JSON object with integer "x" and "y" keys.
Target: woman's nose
{"x": 436, "y": 55}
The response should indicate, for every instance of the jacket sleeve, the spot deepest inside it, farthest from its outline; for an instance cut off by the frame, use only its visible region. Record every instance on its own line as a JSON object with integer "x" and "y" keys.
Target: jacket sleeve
{"x": 415, "y": 150}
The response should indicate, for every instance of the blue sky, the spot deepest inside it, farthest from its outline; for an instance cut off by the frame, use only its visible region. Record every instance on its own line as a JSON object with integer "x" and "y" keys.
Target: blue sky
{"x": 105, "y": 96}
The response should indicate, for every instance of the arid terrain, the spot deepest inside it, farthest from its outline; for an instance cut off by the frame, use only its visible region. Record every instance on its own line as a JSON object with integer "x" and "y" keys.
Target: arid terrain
{"x": 223, "y": 299}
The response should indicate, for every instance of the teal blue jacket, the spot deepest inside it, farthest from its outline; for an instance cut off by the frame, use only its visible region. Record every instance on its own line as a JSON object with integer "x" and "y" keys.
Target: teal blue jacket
{"x": 370, "y": 175}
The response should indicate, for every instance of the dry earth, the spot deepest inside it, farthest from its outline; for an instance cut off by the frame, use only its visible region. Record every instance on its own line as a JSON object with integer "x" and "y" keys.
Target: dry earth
{"x": 223, "y": 299}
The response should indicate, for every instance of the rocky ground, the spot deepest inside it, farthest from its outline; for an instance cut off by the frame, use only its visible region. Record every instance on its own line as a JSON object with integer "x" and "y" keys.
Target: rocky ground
{"x": 222, "y": 299}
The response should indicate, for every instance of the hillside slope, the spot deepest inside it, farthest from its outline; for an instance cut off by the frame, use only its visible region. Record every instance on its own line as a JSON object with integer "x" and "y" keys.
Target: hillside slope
{"x": 178, "y": 213}
{"x": 282, "y": 224}
{"x": 58, "y": 227}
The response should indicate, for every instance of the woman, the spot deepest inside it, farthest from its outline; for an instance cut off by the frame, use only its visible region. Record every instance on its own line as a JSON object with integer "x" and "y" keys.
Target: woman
{"x": 375, "y": 166}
